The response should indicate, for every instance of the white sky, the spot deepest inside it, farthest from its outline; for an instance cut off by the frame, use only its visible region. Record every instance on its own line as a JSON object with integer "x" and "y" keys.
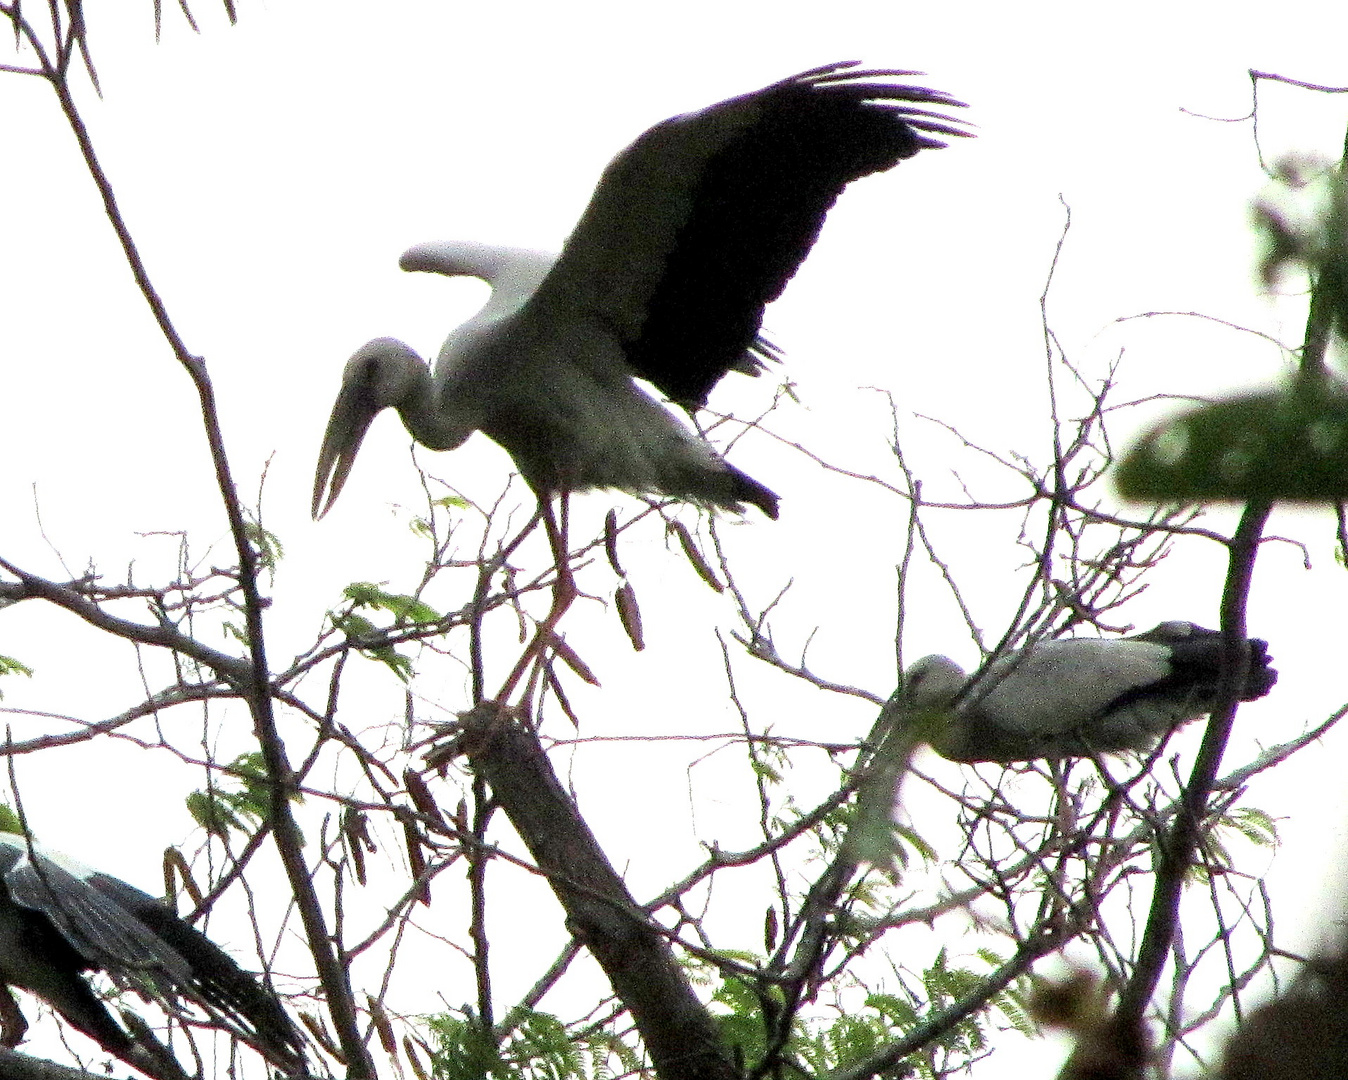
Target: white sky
{"x": 273, "y": 172}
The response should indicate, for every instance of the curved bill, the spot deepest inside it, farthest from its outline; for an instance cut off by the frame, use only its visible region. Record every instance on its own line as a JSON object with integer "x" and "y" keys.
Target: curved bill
{"x": 350, "y": 420}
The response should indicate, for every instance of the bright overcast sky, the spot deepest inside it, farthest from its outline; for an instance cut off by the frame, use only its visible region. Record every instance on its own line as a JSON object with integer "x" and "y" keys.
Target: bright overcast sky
{"x": 273, "y": 172}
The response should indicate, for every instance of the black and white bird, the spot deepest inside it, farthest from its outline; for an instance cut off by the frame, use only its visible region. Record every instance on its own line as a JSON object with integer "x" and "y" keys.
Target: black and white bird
{"x": 60, "y": 920}
{"x": 1078, "y": 696}
{"x": 692, "y": 230}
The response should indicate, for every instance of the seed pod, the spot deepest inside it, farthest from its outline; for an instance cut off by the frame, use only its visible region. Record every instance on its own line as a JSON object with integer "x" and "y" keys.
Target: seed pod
{"x": 705, "y": 572}
{"x": 572, "y": 659}
{"x": 174, "y": 862}
{"x": 421, "y": 797}
{"x": 611, "y": 542}
{"x": 630, "y": 614}
{"x": 417, "y": 860}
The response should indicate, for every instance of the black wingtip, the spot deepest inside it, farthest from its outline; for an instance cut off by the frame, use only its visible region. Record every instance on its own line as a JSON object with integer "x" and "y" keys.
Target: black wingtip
{"x": 1198, "y": 648}
{"x": 1261, "y": 677}
{"x": 751, "y": 491}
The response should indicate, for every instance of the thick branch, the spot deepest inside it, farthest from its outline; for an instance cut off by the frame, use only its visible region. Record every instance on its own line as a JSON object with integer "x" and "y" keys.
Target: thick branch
{"x": 16, "y": 1066}
{"x": 678, "y": 1031}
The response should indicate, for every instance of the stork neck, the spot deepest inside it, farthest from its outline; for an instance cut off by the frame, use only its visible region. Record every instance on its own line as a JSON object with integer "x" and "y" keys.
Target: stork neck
{"x": 432, "y": 422}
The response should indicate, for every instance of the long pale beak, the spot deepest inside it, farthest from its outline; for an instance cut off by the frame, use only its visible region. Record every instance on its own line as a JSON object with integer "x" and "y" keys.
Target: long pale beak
{"x": 351, "y": 418}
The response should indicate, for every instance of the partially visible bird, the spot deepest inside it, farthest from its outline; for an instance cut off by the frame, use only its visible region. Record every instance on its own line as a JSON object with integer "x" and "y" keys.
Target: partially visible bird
{"x": 60, "y": 920}
{"x": 1077, "y": 696}
{"x": 691, "y": 231}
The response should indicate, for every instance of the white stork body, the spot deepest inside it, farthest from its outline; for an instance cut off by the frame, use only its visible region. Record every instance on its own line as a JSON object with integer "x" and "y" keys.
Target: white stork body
{"x": 541, "y": 386}
{"x": 1079, "y": 696}
{"x": 59, "y": 919}
{"x": 690, "y": 233}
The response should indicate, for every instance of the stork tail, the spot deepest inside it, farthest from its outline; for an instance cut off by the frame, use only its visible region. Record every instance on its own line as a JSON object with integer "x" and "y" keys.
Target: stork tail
{"x": 745, "y": 488}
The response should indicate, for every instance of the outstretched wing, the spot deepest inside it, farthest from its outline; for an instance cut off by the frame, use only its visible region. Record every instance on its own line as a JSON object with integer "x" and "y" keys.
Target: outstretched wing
{"x": 703, "y": 220}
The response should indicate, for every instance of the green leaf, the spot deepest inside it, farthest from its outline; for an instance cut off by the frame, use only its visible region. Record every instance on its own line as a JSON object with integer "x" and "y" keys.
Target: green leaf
{"x": 1303, "y": 222}
{"x": 539, "y": 1047}
{"x": 266, "y": 544}
{"x": 10, "y": 666}
{"x": 241, "y": 800}
{"x": 213, "y": 814}
{"x": 405, "y": 608}
{"x": 764, "y": 770}
{"x": 360, "y": 630}
{"x": 464, "y": 1051}
{"x": 399, "y": 664}
{"x": 819, "y": 1045}
{"x": 1289, "y": 443}
{"x": 356, "y": 626}
{"x": 9, "y": 821}
{"x": 1257, "y": 826}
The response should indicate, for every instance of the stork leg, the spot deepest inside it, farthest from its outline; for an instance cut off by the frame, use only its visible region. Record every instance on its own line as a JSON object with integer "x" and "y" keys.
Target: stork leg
{"x": 564, "y": 590}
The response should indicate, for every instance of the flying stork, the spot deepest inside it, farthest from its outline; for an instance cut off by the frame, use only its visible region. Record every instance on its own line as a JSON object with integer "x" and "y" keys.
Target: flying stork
{"x": 1078, "y": 696}
{"x": 59, "y": 920}
{"x": 691, "y": 231}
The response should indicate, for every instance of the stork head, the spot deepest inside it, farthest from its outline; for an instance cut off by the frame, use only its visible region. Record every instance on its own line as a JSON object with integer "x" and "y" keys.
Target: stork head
{"x": 930, "y": 689}
{"x": 933, "y": 683}
{"x": 382, "y": 373}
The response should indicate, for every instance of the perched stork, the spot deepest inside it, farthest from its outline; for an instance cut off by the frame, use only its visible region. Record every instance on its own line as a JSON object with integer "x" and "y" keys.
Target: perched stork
{"x": 692, "y": 230}
{"x": 59, "y": 920}
{"x": 1079, "y": 696}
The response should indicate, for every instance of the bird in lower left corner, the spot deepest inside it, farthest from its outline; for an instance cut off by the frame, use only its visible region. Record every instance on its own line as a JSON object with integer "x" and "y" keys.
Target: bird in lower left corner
{"x": 1077, "y": 696}
{"x": 60, "y": 920}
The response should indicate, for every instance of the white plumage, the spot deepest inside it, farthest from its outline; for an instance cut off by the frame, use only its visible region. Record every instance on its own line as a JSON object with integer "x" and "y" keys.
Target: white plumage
{"x": 1077, "y": 696}
{"x": 691, "y": 231}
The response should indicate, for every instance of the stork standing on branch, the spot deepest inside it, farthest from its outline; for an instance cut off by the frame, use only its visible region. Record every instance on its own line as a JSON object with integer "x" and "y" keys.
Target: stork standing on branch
{"x": 691, "y": 232}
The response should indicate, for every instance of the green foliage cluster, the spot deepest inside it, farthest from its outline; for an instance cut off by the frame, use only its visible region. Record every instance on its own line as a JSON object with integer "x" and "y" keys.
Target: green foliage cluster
{"x": 540, "y": 1047}
{"x": 9, "y": 820}
{"x": 240, "y": 803}
{"x": 822, "y": 1044}
{"x": 371, "y": 638}
{"x": 10, "y": 666}
{"x": 1288, "y": 442}
{"x": 1257, "y": 827}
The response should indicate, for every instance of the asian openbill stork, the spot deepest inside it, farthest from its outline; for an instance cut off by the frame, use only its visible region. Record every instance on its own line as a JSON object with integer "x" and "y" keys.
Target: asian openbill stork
{"x": 60, "y": 920}
{"x": 1078, "y": 696}
{"x": 692, "y": 230}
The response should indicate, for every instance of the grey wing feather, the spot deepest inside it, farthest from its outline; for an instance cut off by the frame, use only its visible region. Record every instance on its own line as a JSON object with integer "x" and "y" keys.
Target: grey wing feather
{"x": 94, "y": 924}
{"x": 1059, "y": 685}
